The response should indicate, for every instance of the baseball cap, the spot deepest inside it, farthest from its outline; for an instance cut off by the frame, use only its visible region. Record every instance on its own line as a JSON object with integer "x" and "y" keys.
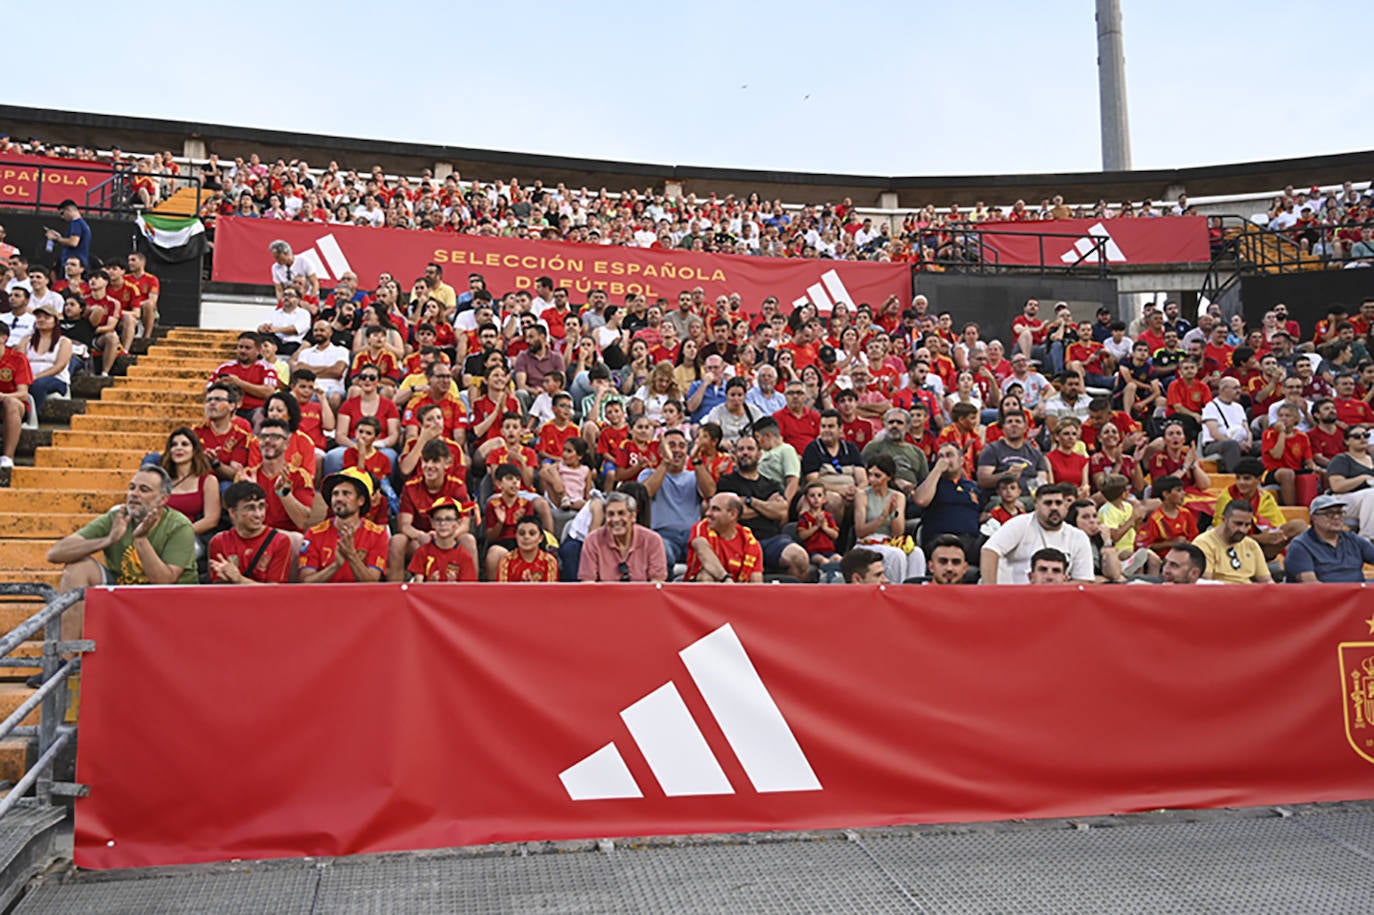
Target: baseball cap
{"x": 1325, "y": 503}
{"x": 827, "y": 354}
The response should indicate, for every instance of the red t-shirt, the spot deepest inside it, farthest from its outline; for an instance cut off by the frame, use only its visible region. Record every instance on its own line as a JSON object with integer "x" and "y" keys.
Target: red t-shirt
{"x": 1353, "y": 412}
{"x": 483, "y": 407}
{"x": 302, "y": 487}
{"x": 128, "y": 295}
{"x": 146, "y": 284}
{"x": 430, "y": 563}
{"x": 520, "y": 456}
{"x": 258, "y": 372}
{"x": 384, "y": 362}
{"x": 386, "y": 411}
{"x": 633, "y": 454}
{"x": 741, "y": 555}
{"x": 312, "y": 424}
{"x": 1297, "y": 450}
{"x": 1327, "y": 444}
{"x": 14, "y": 370}
{"x": 1038, "y": 331}
{"x": 455, "y": 417}
{"x": 1159, "y": 528}
{"x": 1100, "y": 463}
{"x": 1124, "y": 424}
{"x": 1192, "y": 396}
{"x": 500, "y": 519}
{"x": 234, "y": 445}
{"x": 322, "y": 543}
{"x": 274, "y": 565}
{"x": 798, "y": 431}
{"x": 858, "y": 430}
{"x": 552, "y": 439}
{"x": 609, "y": 442}
{"x": 514, "y": 567}
{"x": 820, "y": 541}
{"x": 803, "y": 355}
{"x": 417, "y": 499}
{"x": 1066, "y": 468}
{"x": 460, "y": 458}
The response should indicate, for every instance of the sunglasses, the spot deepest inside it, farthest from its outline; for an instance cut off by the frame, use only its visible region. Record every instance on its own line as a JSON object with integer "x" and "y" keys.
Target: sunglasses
{"x": 1235, "y": 560}
{"x": 624, "y": 569}
{"x": 368, "y": 377}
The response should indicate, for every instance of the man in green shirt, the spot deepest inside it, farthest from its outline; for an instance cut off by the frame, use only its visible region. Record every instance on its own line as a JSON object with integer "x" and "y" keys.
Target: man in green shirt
{"x": 912, "y": 465}
{"x": 138, "y": 543}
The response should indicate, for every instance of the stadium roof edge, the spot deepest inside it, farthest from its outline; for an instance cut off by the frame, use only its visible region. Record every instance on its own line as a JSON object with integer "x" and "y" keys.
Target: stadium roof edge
{"x": 89, "y": 128}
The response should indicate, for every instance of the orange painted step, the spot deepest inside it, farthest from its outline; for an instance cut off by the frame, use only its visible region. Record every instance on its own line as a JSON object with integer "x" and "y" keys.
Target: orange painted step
{"x": 108, "y": 459}
{"x": 133, "y": 441}
{"x": 13, "y": 759}
{"x": 44, "y": 525}
{"x": 12, "y": 695}
{"x": 1296, "y": 513}
{"x": 191, "y": 351}
{"x": 184, "y": 411}
{"x": 50, "y": 576}
{"x": 171, "y": 394}
{"x": 24, "y": 554}
{"x": 12, "y": 613}
{"x": 84, "y": 422}
{"x": 142, "y": 372}
{"x": 61, "y": 501}
{"x": 65, "y": 478}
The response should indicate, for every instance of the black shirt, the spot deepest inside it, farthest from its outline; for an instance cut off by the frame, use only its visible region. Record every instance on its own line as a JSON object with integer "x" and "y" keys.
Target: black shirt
{"x": 816, "y": 459}
{"x": 760, "y": 490}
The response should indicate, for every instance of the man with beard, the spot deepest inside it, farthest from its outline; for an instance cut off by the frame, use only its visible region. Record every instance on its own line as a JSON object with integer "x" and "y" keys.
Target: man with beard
{"x": 141, "y": 542}
{"x": 1184, "y": 565}
{"x": 1006, "y": 557}
{"x": 327, "y": 360}
{"x": 765, "y": 511}
{"x": 346, "y": 546}
{"x": 946, "y": 560}
{"x": 1232, "y": 554}
{"x": 289, "y": 491}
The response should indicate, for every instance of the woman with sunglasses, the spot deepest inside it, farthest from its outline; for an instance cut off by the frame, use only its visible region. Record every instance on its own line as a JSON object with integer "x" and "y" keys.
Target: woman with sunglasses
{"x": 368, "y": 402}
{"x": 1350, "y": 476}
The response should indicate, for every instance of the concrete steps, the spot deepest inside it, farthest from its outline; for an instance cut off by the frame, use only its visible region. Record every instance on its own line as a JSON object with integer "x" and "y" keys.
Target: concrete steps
{"x": 129, "y": 441}
{"x": 159, "y": 425}
{"x": 106, "y": 459}
{"x": 144, "y": 410}
{"x": 172, "y": 393}
{"x": 46, "y": 526}
{"x": 80, "y": 479}
{"x": 61, "y": 501}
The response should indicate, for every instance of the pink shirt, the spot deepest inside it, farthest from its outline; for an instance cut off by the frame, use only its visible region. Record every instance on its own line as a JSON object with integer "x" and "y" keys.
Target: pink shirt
{"x": 601, "y": 558}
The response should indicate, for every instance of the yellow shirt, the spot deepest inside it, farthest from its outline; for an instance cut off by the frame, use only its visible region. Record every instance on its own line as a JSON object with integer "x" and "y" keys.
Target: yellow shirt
{"x": 1232, "y": 563}
{"x": 1111, "y": 516}
{"x": 1268, "y": 515}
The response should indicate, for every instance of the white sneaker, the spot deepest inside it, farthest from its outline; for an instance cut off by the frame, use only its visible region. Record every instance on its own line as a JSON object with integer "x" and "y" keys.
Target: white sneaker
{"x": 6, "y": 462}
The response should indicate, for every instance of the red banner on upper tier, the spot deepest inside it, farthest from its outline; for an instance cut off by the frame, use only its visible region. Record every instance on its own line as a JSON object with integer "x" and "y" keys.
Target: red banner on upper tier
{"x": 29, "y": 180}
{"x": 235, "y": 722}
{"x": 511, "y": 263}
{"x": 1164, "y": 240}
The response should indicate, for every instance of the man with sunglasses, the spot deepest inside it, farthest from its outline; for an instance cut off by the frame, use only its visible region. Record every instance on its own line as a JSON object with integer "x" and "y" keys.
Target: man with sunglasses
{"x": 621, "y": 549}
{"x": 1233, "y": 556}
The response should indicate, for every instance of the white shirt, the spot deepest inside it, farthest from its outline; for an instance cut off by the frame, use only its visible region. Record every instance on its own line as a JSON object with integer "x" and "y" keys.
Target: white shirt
{"x": 1120, "y": 350}
{"x": 282, "y": 275}
{"x": 1231, "y": 421}
{"x": 1020, "y": 538}
{"x": 297, "y": 317}
{"x": 20, "y": 328}
{"x": 313, "y": 357}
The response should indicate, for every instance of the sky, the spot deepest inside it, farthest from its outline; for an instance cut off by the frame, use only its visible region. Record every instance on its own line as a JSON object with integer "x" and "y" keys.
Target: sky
{"x": 866, "y": 88}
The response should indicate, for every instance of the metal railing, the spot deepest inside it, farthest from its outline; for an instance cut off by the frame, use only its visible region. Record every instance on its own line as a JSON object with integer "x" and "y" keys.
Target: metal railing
{"x": 50, "y": 697}
{"x": 110, "y": 193}
{"x": 968, "y": 251}
{"x": 1241, "y": 247}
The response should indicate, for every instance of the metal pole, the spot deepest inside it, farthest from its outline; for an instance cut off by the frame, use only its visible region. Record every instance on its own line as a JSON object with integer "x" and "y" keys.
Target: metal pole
{"x": 1111, "y": 88}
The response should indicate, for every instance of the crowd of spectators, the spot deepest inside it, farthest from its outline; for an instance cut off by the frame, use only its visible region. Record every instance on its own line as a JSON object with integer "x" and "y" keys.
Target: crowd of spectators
{"x": 1326, "y": 223}
{"x": 459, "y": 434}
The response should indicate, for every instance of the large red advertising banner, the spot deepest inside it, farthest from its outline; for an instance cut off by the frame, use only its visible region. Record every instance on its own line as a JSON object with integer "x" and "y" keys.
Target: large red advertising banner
{"x": 29, "y": 180}
{"x": 1165, "y": 240}
{"x": 237, "y": 722}
{"x": 510, "y": 263}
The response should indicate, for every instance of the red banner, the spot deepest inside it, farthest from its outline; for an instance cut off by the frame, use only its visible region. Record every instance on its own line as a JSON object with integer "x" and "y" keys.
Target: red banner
{"x": 1163, "y": 240}
{"x": 29, "y": 180}
{"x": 225, "y": 723}
{"x": 510, "y": 263}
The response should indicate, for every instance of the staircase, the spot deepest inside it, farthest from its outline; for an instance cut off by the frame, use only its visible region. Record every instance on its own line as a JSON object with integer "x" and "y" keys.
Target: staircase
{"x": 185, "y": 201}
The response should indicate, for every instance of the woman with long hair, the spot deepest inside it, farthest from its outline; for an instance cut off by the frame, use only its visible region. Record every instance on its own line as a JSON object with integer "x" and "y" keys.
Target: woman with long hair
{"x": 660, "y": 387}
{"x": 195, "y": 488}
{"x": 636, "y": 373}
{"x": 1112, "y": 457}
{"x": 688, "y": 364}
{"x": 50, "y": 356}
{"x": 817, "y": 397}
{"x": 880, "y": 521}
{"x": 584, "y": 357}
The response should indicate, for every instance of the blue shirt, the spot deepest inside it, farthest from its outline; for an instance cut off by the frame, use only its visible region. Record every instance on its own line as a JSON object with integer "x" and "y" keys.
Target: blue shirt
{"x": 766, "y": 405}
{"x": 712, "y": 397}
{"x": 676, "y": 505}
{"x": 954, "y": 510}
{"x": 82, "y": 250}
{"x": 1343, "y": 562}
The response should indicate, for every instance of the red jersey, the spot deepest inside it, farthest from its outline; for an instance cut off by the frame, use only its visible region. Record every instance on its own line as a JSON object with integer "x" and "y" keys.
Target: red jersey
{"x": 1037, "y": 328}
{"x": 258, "y": 372}
{"x": 273, "y": 565}
{"x": 113, "y": 308}
{"x": 483, "y": 407}
{"x": 1353, "y": 412}
{"x": 300, "y": 452}
{"x": 1162, "y": 464}
{"x": 322, "y": 543}
{"x": 1124, "y": 424}
{"x": 302, "y": 487}
{"x": 455, "y": 417}
{"x": 519, "y": 455}
{"x": 552, "y": 439}
{"x": 386, "y": 412}
{"x": 802, "y": 356}
{"x": 633, "y": 454}
{"x": 1160, "y": 528}
{"x": 234, "y": 445}
{"x": 905, "y": 397}
{"x": 798, "y": 431}
{"x": 1327, "y": 444}
{"x": 147, "y": 284}
{"x": 741, "y": 555}
{"x": 514, "y": 567}
{"x": 1192, "y": 396}
{"x": 500, "y": 519}
{"x": 609, "y": 442}
{"x": 430, "y": 563}
{"x": 717, "y": 466}
{"x": 417, "y": 499}
{"x": 1219, "y": 356}
{"x": 925, "y": 442}
{"x": 82, "y": 288}
{"x": 413, "y": 364}
{"x": 312, "y": 424}
{"x": 1101, "y": 463}
{"x": 384, "y": 362}
{"x": 858, "y": 430}
{"x": 1085, "y": 353}
{"x": 1066, "y": 468}
{"x": 1297, "y": 450}
{"x": 127, "y": 295}
{"x": 14, "y": 370}
{"x": 820, "y": 541}
{"x": 460, "y": 457}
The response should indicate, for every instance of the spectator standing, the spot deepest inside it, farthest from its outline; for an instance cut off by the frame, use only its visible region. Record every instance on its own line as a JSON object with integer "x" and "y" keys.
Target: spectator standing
{"x": 287, "y": 267}
{"x": 76, "y": 238}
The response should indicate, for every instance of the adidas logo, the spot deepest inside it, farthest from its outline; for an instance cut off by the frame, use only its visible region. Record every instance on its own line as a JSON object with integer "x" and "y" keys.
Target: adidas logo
{"x": 826, "y": 293}
{"x": 674, "y": 747}
{"x": 1088, "y": 248}
{"x": 327, "y": 258}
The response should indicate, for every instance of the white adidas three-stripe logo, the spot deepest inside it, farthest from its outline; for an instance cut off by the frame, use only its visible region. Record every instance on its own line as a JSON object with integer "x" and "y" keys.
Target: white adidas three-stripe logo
{"x": 1084, "y": 247}
{"x": 674, "y": 747}
{"x": 826, "y": 293}
{"x": 329, "y": 260}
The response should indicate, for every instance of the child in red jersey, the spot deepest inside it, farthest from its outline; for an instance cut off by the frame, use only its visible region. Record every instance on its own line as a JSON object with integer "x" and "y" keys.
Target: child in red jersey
{"x": 817, "y": 530}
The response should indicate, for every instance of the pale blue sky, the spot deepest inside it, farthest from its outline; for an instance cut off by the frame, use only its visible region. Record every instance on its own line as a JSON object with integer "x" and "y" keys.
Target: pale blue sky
{"x": 881, "y": 87}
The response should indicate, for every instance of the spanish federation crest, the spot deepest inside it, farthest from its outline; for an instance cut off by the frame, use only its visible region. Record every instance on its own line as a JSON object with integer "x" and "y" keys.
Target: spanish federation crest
{"x": 1357, "y": 688}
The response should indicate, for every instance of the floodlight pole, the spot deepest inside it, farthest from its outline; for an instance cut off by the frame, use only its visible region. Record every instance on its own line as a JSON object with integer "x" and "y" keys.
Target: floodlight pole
{"x": 1111, "y": 88}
